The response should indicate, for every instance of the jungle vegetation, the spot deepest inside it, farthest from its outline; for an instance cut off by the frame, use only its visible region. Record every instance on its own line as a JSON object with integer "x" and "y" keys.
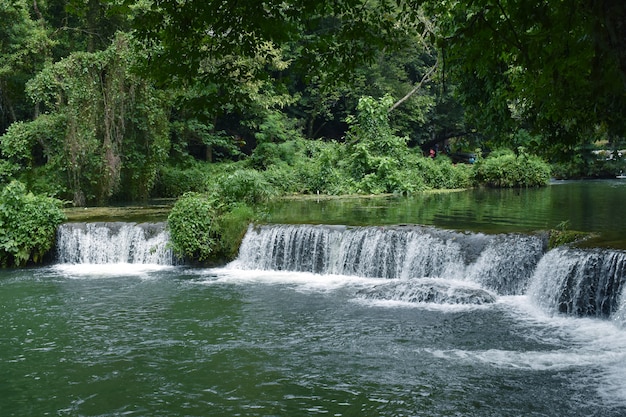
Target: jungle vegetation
{"x": 234, "y": 102}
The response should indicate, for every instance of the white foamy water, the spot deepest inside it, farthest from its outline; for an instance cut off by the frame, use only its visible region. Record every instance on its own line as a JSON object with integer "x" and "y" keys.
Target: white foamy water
{"x": 300, "y": 280}
{"x": 113, "y": 243}
{"x": 564, "y": 307}
{"x": 82, "y": 271}
{"x": 404, "y": 252}
{"x": 594, "y": 347}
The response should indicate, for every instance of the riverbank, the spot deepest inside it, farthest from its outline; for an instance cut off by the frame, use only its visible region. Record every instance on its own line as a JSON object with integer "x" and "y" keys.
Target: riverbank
{"x": 139, "y": 214}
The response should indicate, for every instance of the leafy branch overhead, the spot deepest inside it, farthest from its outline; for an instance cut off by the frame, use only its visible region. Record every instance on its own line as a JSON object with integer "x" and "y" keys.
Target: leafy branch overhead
{"x": 329, "y": 35}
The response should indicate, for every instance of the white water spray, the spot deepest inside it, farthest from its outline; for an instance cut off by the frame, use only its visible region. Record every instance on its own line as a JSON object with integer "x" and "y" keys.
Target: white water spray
{"x": 113, "y": 243}
{"x": 580, "y": 282}
{"x": 501, "y": 263}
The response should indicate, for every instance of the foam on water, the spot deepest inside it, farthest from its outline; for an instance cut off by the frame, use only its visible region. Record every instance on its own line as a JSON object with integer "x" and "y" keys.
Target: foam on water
{"x": 566, "y": 300}
{"x": 309, "y": 282}
{"x": 530, "y": 360}
{"x": 300, "y": 280}
{"x": 592, "y": 348}
{"x": 86, "y": 271}
{"x": 587, "y": 343}
{"x": 442, "y": 308}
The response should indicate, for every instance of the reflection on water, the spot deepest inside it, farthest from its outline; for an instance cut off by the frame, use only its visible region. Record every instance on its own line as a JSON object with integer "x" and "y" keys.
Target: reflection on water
{"x": 590, "y": 206}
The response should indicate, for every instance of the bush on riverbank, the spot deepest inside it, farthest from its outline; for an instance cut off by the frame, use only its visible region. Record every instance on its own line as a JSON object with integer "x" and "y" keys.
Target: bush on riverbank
{"x": 504, "y": 169}
{"x": 586, "y": 165}
{"x": 28, "y": 225}
{"x": 205, "y": 229}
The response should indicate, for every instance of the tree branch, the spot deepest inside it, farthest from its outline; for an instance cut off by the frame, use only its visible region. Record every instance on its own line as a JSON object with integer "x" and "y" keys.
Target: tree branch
{"x": 425, "y": 78}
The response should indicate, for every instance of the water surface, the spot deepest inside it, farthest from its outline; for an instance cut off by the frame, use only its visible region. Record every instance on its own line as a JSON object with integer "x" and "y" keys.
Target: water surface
{"x": 589, "y": 206}
{"x": 95, "y": 335}
{"x": 187, "y": 342}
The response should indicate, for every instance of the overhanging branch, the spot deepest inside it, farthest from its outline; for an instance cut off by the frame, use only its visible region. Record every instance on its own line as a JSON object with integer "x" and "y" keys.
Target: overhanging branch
{"x": 425, "y": 78}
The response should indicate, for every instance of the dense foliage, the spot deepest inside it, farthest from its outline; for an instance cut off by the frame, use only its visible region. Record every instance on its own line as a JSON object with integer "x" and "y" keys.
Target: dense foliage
{"x": 193, "y": 226}
{"x": 558, "y": 67}
{"x": 204, "y": 229}
{"x": 28, "y": 225}
{"x": 507, "y": 170}
{"x": 120, "y": 100}
{"x": 106, "y": 130}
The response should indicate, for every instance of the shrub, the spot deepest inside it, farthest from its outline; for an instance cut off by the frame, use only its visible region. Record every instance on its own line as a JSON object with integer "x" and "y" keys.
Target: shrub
{"x": 28, "y": 225}
{"x": 204, "y": 229}
{"x": 193, "y": 227}
{"x": 246, "y": 186}
{"x": 504, "y": 169}
{"x": 267, "y": 153}
{"x": 589, "y": 166}
{"x": 232, "y": 226}
{"x": 282, "y": 178}
{"x": 7, "y": 171}
{"x": 376, "y": 159}
{"x": 174, "y": 181}
{"x": 320, "y": 169}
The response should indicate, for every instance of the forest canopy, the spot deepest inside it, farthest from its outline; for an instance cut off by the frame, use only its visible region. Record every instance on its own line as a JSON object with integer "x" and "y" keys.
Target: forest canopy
{"x": 120, "y": 100}
{"x": 560, "y": 66}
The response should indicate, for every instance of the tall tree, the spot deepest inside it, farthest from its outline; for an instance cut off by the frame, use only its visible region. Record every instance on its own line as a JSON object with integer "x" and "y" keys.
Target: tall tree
{"x": 558, "y": 67}
{"x": 254, "y": 59}
{"x": 24, "y": 48}
{"x": 110, "y": 125}
{"x": 334, "y": 35}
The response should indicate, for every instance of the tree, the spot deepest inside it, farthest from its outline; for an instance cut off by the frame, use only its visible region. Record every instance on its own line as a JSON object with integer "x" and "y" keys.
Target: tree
{"x": 333, "y": 35}
{"x": 557, "y": 67}
{"x": 336, "y": 52}
{"x": 114, "y": 124}
{"x": 24, "y": 48}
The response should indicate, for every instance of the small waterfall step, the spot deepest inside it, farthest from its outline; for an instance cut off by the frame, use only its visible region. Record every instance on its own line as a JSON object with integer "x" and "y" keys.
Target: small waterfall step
{"x": 429, "y": 290}
{"x": 500, "y": 263}
{"x": 581, "y": 282}
{"x": 113, "y": 243}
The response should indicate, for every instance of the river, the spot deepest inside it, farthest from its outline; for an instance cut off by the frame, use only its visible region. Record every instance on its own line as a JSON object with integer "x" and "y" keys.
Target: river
{"x": 322, "y": 320}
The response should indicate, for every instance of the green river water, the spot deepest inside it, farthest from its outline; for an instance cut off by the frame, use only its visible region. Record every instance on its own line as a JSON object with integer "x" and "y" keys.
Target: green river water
{"x": 589, "y": 206}
{"x": 120, "y": 339}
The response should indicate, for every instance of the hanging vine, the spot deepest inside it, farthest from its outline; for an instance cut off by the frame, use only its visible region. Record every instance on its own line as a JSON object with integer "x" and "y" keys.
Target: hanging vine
{"x": 109, "y": 127}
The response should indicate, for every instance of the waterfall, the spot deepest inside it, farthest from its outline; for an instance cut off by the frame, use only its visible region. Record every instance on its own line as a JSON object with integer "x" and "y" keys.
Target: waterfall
{"x": 500, "y": 263}
{"x": 425, "y": 264}
{"x": 580, "y": 282}
{"x": 507, "y": 264}
{"x": 113, "y": 243}
{"x": 430, "y": 290}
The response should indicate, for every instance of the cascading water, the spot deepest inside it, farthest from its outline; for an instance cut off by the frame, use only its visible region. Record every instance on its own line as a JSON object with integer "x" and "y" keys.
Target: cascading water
{"x": 113, "y": 243}
{"x": 507, "y": 263}
{"x": 425, "y": 264}
{"x": 421, "y": 264}
{"x": 580, "y": 282}
{"x": 501, "y": 263}
{"x": 386, "y": 252}
{"x": 402, "y": 320}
